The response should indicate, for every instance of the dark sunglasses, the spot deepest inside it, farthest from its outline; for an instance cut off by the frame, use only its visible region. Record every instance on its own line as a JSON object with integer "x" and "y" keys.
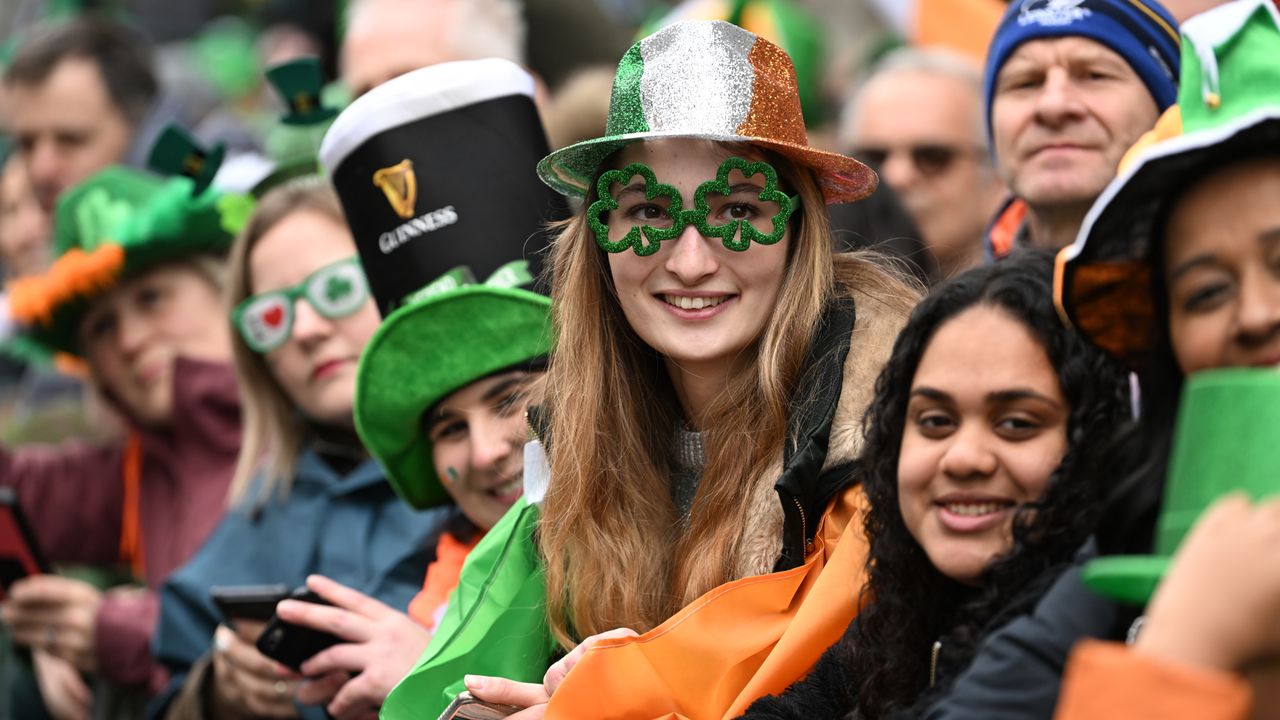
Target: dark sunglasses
{"x": 930, "y": 160}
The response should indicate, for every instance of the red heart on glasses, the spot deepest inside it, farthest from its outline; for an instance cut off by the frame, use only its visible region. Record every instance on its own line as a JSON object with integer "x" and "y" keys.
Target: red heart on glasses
{"x": 273, "y": 317}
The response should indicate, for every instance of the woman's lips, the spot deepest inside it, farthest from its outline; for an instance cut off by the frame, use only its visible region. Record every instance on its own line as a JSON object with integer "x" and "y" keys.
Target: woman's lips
{"x": 713, "y": 304}
{"x": 972, "y": 516}
{"x": 328, "y": 369}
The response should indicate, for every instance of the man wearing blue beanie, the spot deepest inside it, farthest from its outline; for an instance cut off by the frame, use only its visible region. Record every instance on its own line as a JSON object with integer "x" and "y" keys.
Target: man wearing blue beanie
{"x": 1069, "y": 86}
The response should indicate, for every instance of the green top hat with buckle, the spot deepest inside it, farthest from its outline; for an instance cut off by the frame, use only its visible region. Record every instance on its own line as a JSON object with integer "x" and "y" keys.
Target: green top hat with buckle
{"x": 176, "y": 152}
{"x": 1225, "y": 441}
{"x": 712, "y": 80}
{"x": 295, "y": 142}
{"x": 449, "y": 334}
{"x": 114, "y": 225}
{"x": 1228, "y": 108}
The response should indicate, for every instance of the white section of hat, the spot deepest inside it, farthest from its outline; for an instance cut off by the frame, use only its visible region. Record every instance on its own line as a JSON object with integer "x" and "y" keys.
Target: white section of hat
{"x": 419, "y": 94}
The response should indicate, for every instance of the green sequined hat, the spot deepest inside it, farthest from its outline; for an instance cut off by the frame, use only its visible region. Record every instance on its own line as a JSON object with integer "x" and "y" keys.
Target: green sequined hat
{"x": 113, "y": 226}
{"x": 710, "y": 80}
{"x": 1228, "y": 108}
{"x": 1225, "y": 441}
{"x": 176, "y": 152}
{"x": 449, "y": 335}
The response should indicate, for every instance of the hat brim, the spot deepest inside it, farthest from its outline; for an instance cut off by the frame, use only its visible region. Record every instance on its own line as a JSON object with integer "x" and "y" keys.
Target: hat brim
{"x": 423, "y": 352}
{"x": 1103, "y": 283}
{"x": 1130, "y": 579}
{"x": 843, "y": 179}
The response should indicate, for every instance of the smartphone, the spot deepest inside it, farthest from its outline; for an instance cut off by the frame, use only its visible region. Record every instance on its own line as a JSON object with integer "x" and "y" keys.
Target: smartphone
{"x": 467, "y": 707}
{"x": 248, "y": 602}
{"x": 20, "y": 556}
{"x": 292, "y": 645}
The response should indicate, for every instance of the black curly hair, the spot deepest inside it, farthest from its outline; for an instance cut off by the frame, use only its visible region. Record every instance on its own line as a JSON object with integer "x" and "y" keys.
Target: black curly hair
{"x": 910, "y": 604}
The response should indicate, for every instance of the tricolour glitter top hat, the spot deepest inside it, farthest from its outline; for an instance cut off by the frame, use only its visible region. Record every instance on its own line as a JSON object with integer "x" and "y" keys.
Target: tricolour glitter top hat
{"x": 1228, "y": 108}
{"x": 114, "y": 225}
{"x": 713, "y": 80}
{"x": 435, "y": 170}
{"x": 1228, "y": 423}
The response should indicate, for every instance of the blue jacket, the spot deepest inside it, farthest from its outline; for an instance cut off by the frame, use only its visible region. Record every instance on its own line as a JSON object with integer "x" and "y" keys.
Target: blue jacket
{"x": 353, "y": 529}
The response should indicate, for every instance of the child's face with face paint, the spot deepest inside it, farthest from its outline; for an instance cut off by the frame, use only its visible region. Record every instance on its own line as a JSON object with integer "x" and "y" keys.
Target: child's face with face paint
{"x": 477, "y": 438}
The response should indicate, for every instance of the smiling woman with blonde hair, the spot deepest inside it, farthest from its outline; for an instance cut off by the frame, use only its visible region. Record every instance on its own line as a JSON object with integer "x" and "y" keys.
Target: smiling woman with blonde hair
{"x": 713, "y": 360}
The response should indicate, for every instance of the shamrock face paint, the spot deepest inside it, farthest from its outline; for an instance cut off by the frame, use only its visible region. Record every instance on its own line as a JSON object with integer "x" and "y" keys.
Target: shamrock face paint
{"x": 265, "y": 321}
{"x": 740, "y": 206}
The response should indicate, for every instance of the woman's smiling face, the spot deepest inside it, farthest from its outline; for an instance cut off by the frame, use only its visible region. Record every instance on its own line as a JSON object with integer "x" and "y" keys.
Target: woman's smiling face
{"x": 985, "y": 429}
{"x": 695, "y": 301}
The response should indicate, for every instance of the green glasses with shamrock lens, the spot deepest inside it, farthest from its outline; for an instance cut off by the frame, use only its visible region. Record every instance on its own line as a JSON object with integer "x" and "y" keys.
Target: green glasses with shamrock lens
{"x": 741, "y": 206}
{"x": 337, "y": 290}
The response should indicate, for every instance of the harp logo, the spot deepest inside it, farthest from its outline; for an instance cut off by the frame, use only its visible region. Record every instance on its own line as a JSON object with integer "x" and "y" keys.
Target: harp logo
{"x": 400, "y": 185}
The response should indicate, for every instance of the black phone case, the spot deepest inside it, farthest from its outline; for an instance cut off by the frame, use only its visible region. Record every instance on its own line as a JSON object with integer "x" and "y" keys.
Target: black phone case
{"x": 291, "y": 645}
{"x": 248, "y": 602}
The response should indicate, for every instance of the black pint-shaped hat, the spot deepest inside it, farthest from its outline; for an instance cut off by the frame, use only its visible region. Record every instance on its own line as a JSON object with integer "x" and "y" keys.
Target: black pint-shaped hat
{"x": 437, "y": 169}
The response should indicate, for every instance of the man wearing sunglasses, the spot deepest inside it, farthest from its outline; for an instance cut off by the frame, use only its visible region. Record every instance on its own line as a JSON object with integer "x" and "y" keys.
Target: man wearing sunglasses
{"x": 918, "y": 122}
{"x": 1070, "y": 86}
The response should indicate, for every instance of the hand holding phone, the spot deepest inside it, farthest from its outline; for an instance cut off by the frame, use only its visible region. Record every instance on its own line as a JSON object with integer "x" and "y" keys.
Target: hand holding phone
{"x": 468, "y": 707}
{"x": 291, "y": 645}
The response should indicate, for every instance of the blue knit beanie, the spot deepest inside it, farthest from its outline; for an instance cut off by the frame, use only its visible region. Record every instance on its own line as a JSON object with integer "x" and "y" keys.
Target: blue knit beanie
{"x": 1140, "y": 31}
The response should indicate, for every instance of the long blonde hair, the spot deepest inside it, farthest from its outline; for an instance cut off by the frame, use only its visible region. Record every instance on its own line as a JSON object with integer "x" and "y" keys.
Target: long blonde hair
{"x": 616, "y": 552}
{"x": 273, "y": 431}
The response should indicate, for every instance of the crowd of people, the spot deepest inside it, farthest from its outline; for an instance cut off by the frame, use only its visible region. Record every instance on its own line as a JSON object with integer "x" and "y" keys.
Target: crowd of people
{"x": 636, "y": 360}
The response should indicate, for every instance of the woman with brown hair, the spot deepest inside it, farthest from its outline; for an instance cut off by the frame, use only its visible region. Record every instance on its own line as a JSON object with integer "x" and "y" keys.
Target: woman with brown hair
{"x": 713, "y": 360}
{"x": 306, "y": 497}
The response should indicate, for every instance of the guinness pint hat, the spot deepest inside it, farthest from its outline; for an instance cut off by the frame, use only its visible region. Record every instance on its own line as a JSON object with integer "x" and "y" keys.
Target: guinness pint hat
{"x": 436, "y": 170}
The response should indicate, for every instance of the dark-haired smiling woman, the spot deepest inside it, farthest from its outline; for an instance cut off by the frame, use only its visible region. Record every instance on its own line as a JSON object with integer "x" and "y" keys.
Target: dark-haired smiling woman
{"x": 980, "y": 482}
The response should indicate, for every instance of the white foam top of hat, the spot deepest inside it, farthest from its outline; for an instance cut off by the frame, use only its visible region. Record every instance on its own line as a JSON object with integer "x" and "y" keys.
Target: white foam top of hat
{"x": 419, "y": 94}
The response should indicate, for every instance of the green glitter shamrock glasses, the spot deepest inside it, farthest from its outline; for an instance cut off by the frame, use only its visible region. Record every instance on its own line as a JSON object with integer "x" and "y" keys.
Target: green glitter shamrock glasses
{"x": 635, "y": 211}
{"x": 265, "y": 321}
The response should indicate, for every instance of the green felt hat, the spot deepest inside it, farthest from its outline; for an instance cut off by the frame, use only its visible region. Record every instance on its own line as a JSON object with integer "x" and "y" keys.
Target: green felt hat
{"x": 1228, "y": 108}
{"x": 294, "y": 144}
{"x": 300, "y": 83}
{"x": 448, "y": 335}
{"x": 110, "y": 227}
{"x": 1225, "y": 441}
{"x": 176, "y": 152}
{"x": 712, "y": 80}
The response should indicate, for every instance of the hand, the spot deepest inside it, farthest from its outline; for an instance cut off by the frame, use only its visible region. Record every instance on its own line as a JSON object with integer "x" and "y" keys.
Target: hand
{"x": 1219, "y": 604}
{"x": 532, "y": 696}
{"x": 57, "y": 615}
{"x": 64, "y": 692}
{"x": 382, "y": 647}
{"x": 246, "y": 682}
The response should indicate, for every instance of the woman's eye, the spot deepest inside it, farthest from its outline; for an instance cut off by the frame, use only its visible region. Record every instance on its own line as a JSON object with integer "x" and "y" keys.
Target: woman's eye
{"x": 511, "y": 403}
{"x": 448, "y": 431}
{"x": 99, "y": 327}
{"x": 934, "y": 424}
{"x": 645, "y": 213}
{"x": 741, "y": 211}
{"x": 1205, "y": 298}
{"x": 1017, "y": 426}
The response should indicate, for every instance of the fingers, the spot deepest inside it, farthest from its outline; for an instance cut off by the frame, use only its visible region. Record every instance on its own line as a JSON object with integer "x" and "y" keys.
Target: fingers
{"x": 51, "y": 590}
{"x": 320, "y": 690}
{"x": 557, "y": 672}
{"x": 355, "y": 700}
{"x": 508, "y": 692}
{"x": 345, "y": 657}
{"x": 245, "y": 657}
{"x": 345, "y": 597}
{"x": 346, "y": 624}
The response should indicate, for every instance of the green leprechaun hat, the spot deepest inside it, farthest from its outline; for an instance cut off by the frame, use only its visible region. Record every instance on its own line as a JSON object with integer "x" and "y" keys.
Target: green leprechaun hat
{"x": 300, "y": 83}
{"x": 711, "y": 80}
{"x": 176, "y": 152}
{"x": 449, "y": 334}
{"x": 1228, "y": 108}
{"x": 110, "y": 227}
{"x": 781, "y": 22}
{"x": 1225, "y": 441}
{"x": 295, "y": 142}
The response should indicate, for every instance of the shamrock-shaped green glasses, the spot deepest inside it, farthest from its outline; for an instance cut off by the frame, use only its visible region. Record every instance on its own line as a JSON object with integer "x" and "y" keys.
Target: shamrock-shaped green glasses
{"x": 641, "y": 216}
{"x": 265, "y": 320}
